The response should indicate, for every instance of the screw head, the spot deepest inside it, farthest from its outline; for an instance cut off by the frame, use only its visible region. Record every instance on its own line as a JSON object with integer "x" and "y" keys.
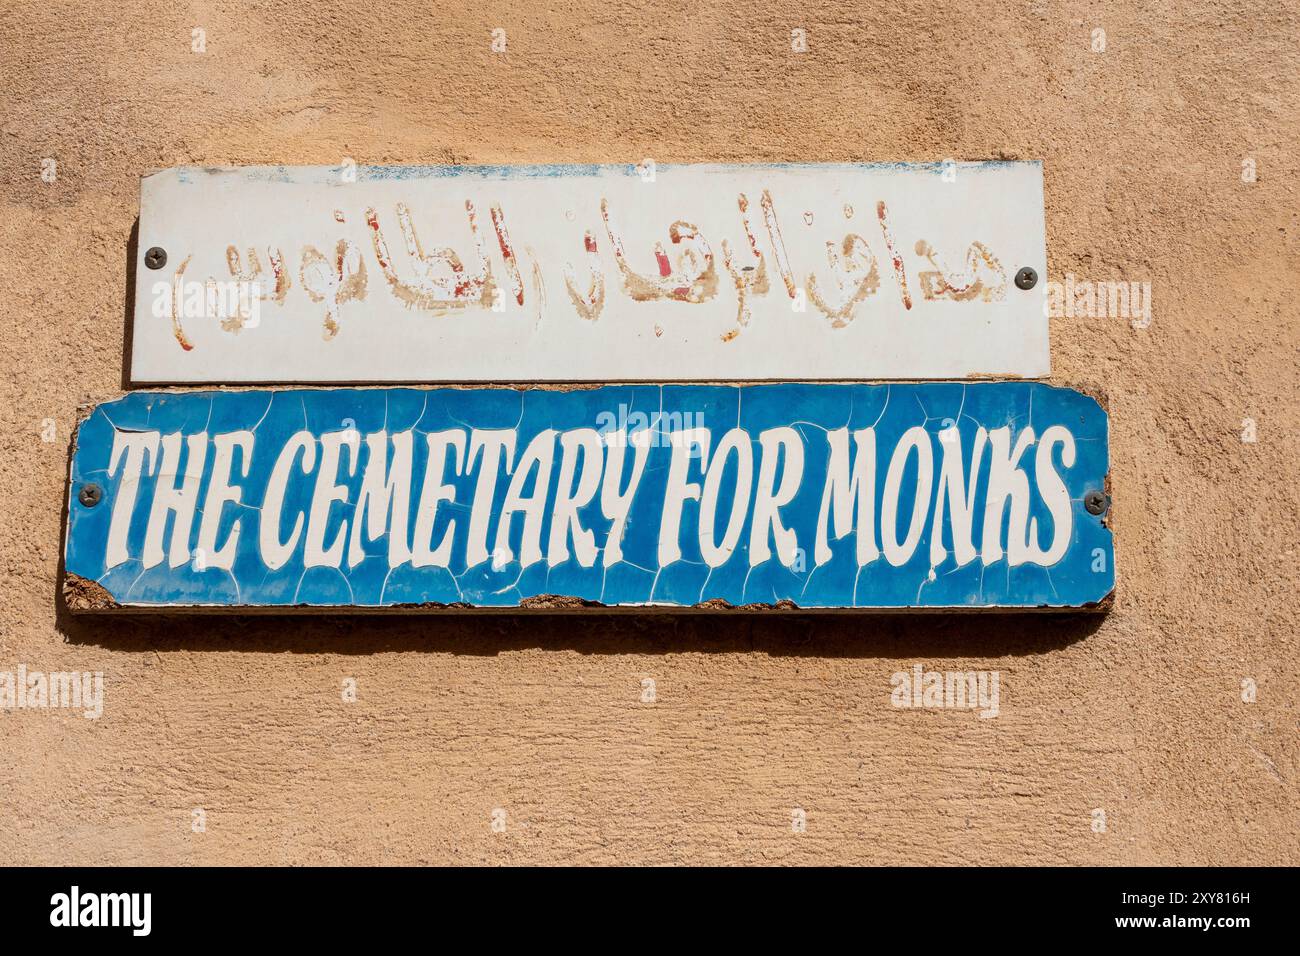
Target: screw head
{"x": 156, "y": 257}
{"x": 1095, "y": 502}
{"x": 90, "y": 494}
{"x": 1026, "y": 278}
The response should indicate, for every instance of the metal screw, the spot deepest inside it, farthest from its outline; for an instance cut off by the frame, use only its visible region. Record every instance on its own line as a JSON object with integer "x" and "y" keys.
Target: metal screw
{"x": 90, "y": 494}
{"x": 156, "y": 257}
{"x": 1095, "y": 502}
{"x": 1026, "y": 278}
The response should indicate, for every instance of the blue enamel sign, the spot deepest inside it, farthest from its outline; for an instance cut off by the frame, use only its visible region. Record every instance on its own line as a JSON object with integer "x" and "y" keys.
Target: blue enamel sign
{"x": 937, "y": 495}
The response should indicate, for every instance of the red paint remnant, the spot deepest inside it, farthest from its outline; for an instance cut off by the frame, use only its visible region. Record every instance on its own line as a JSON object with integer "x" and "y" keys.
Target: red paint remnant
{"x": 696, "y": 263}
{"x": 254, "y": 272}
{"x": 277, "y": 269}
{"x": 507, "y": 252}
{"x": 665, "y": 267}
{"x": 338, "y": 215}
{"x": 432, "y": 290}
{"x": 589, "y": 241}
{"x": 899, "y": 272}
{"x": 381, "y": 247}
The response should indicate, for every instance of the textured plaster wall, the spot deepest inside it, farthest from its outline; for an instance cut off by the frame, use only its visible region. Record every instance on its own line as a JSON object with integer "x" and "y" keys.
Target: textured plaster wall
{"x": 1140, "y": 714}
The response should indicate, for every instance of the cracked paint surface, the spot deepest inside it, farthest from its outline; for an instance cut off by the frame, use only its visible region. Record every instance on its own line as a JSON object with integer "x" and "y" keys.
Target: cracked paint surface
{"x": 1084, "y": 574}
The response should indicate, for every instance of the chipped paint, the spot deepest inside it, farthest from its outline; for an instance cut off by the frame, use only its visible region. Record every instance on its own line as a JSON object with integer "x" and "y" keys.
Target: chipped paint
{"x": 178, "y": 333}
{"x": 748, "y": 279}
{"x": 590, "y": 302}
{"x": 279, "y": 285}
{"x": 900, "y": 271}
{"x": 693, "y": 279}
{"x": 507, "y": 252}
{"x": 939, "y": 283}
{"x": 778, "y": 244}
{"x": 678, "y": 263}
{"x": 856, "y": 259}
{"x": 333, "y": 282}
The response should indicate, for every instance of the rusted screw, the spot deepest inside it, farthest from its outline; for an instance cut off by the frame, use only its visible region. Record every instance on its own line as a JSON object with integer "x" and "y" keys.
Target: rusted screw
{"x": 156, "y": 257}
{"x": 1095, "y": 502}
{"x": 90, "y": 494}
{"x": 1026, "y": 278}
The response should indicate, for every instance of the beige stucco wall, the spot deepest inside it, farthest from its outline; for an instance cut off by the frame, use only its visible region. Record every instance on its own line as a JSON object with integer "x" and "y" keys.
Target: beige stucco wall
{"x": 1140, "y": 714}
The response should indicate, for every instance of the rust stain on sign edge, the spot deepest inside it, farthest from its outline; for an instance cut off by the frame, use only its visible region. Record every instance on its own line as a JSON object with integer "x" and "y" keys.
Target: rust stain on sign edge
{"x": 83, "y": 596}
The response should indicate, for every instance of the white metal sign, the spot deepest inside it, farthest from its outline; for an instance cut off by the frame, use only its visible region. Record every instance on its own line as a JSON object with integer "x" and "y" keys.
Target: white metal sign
{"x": 590, "y": 273}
